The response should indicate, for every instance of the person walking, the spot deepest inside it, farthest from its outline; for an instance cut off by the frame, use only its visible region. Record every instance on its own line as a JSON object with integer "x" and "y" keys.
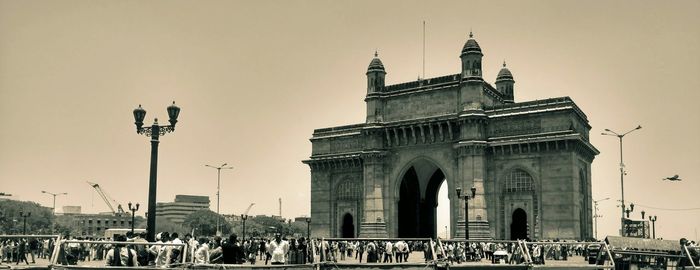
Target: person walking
{"x": 22, "y": 252}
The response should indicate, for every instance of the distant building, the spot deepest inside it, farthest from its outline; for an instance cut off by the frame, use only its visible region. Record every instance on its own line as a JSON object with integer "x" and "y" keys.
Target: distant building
{"x": 300, "y": 219}
{"x": 71, "y": 210}
{"x": 183, "y": 206}
{"x": 94, "y": 225}
{"x": 232, "y": 218}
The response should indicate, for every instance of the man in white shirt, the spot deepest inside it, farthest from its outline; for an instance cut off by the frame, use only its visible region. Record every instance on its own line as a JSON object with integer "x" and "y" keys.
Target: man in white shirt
{"x": 388, "y": 252}
{"x": 278, "y": 248}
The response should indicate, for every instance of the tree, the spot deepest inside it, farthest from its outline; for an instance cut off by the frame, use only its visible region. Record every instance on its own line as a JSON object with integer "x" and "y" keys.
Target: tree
{"x": 11, "y": 222}
{"x": 204, "y": 222}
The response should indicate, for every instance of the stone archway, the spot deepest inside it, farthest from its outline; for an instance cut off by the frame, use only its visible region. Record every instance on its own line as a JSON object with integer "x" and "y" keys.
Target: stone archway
{"x": 348, "y": 227}
{"x": 518, "y": 225}
{"x": 418, "y": 199}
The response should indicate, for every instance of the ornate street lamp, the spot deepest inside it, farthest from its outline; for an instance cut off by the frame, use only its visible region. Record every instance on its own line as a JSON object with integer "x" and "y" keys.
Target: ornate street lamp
{"x": 244, "y": 217}
{"x": 653, "y": 226}
{"x": 218, "y": 187}
{"x": 466, "y": 198}
{"x": 629, "y": 210}
{"x": 24, "y": 216}
{"x": 622, "y": 172}
{"x": 154, "y": 131}
{"x": 133, "y": 215}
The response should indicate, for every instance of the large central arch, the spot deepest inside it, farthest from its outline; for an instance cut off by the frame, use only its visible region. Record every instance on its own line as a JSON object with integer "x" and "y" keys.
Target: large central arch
{"x": 418, "y": 199}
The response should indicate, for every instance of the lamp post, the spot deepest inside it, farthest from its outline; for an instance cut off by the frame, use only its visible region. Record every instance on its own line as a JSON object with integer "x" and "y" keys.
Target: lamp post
{"x": 24, "y": 216}
{"x": 622, "y": 172}
{"x": 133, "y": 215}
{"x": 218, "y": 187}
{"x": 54, "y": 199}
{"x": 653, "y": 226}
{"x": 466, "y": 198}
{"x": 154, "y": 131}
{"x": 53, "y": 224}
{"x": 596, "y": 216}
{"x": 308, "y": 228}
{"x": 244, "y": 217}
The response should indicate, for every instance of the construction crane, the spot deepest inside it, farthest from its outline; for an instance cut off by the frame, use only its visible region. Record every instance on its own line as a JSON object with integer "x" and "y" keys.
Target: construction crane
{"x": 107, "y": 198}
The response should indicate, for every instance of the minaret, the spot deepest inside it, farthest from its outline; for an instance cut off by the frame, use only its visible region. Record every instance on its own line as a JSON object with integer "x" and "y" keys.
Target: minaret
{"x": 504, "y": 84}
{"x": 375, "y": 85}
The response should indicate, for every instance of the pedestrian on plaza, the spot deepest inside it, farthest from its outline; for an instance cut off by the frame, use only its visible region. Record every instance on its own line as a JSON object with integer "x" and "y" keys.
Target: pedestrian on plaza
{"x": 22, "y": 252}
{"x": 360, "y": 250}
{"x": 202, "y": 255}
{"x": 121, "y": 255}
{"x": 216, "y": 253}
{"x": 232, "y": 251}
{"x": 278, "y": 249}
{"x": 388, "y": 252}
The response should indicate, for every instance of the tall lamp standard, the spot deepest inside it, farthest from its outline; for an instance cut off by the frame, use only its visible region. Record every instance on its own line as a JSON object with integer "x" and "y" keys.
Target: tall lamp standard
{"x": 622, "y": 172}
{"x": 24, "y": 216}
{"x": 308, "y": 228}
{"x": 54, "y": 206}
{"x": 244, "y": 217}
{"x": 154, "y": 131}
{"x": 596, "y": 216}
{"x": 466, "y": 198}
{"x": 133, "y": 215}
{"x": 218, "y": 188}
{"x": 653, "y": 226}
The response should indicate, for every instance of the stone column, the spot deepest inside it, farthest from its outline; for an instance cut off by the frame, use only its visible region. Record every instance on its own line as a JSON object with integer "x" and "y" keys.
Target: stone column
{"x": 373, "y": 223}
{"x": 320, "y": 201}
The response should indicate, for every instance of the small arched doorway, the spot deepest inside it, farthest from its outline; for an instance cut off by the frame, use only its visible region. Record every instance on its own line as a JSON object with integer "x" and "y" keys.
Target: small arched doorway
{"x": 348, "y": 226}
{"x": 518, "y": 226}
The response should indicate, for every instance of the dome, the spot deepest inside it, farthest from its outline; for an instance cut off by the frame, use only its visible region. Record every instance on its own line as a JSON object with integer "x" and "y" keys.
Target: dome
{"x": 376, "y": 64}
{"x": 504, "y": 74}
{"x": 471, "y": 46}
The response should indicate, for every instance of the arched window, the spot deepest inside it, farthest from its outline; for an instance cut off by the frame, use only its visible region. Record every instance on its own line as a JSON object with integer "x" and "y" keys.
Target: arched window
{"x": 348, "y": 190}
{"x": 518, "y": 181}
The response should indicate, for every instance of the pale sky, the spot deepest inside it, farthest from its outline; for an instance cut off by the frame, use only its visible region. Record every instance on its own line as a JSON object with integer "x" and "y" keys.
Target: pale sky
{"x": 254, "y": 78}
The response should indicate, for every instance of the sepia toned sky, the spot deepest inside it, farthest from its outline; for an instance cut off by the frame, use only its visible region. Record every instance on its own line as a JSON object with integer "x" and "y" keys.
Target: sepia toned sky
{"x": 254, "y": 78}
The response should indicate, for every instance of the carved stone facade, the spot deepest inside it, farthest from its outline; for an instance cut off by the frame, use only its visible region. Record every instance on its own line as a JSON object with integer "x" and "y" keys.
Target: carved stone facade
{"x": 529, "y": 161}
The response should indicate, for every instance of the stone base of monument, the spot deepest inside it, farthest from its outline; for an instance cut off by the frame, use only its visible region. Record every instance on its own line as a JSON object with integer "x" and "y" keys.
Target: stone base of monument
{"x": 373, "y": 229}
{"x": 478, "y": 230}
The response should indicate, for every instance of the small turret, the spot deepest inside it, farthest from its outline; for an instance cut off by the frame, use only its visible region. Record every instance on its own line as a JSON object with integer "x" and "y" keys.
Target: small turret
{"x": 504, "y": 84}
{"x": 471, "y": 59}
{"x": 375, "y": 85}
{"x": 375, "y": 75}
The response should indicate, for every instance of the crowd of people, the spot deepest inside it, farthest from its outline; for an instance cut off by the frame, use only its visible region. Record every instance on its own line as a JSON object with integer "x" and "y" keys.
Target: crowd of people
{"x": 383, "y": 251}
{"x": 17, "y": 250}
{"x": 172, "y": 250}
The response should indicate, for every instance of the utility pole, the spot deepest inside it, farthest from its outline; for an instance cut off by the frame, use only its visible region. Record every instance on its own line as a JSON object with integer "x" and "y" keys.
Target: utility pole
{"x": 218, "y": 196}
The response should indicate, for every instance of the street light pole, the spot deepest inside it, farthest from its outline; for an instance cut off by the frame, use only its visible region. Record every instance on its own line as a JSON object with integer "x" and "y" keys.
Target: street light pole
{"x": 596, "y": 216}
{"x": 622, "y": 172}
{"x": 24, "y": 216}
{"x": 218, "y": 188}
{"x": 244, "y": 217}
{"x": 154, "y": 131}
{"x": 653, "y": 226}
{"x": 308, "y": 229}
{"x": 133, "y": 215}
{"x": 466, "y": 198}
{"x": 53, "y": 222}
